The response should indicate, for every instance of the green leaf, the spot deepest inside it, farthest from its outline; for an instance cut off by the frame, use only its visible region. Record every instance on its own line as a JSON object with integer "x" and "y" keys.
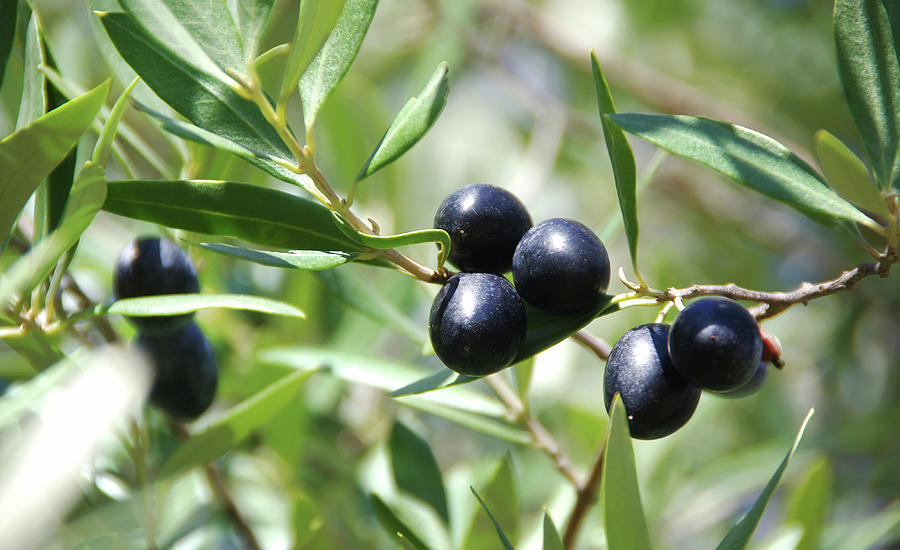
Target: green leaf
{"x": 235, "y": 425}
{"x": 416, "y": 470}
{"x": 496, "y": 428}
{"x": 330, "y": 65}
{"x": 409, "y": 522}
{"x": 29, "y": 270}
{"x": 251, "y": 17}
{"x": 866, "y": 34}
{"x": 179, "y": 304}
{"x": 104, "y": 143}
{"x": 620, "y": 500}
{"x": 35, "y": 347}
{"x": 809, "y": 504}
{"x": 847, "y": 174}
{"x": 317, "y": 18}
{"x": 552, "y": 540}
{"x": 751, "y": 159}
{"x": 622, "y": 159}
{"x": 31, "y": 153}
{"x": 249, "y": 212}
{"x": 313, "y": 260}
{"x": 414, "y": 119}
{"x": 439, "y": 380}
{"x": 739, "y": 535}
{"x": 364, "y": 297}
{"x": 504, "y": 540}
{"x": 381, "y": 374}
{"x": 7, "y": 31}
{"x": 864, "y": 533}
{"x": 548, "y": 329}
{"x": 386, "y": 242}
{"x": 182, "y": 74}
{"x": 34, "y": 87}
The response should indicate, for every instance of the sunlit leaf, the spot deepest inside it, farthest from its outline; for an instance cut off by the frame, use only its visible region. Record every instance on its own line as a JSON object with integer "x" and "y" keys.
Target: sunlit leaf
{"x": 739, "y": 535}
{"x": 411, "y": 123}
{"x": 620, "y": 500}
{"x": 622, "y": 159}
{"x": 251, "y": 17}
{"x": 492, "y": 427}
{"x": 249, "y": 212}
{"x": 866, "y": 33}
{"x": 34, "y": 86}
{"x": 751, "y": 159}
{"x": 847, "y": 174}
{"x": 317, "y": 18}
{"x": 104, "y": 143}
{"x": 31, "y": 153}
{"x": 416, "y": 470}
{"x": 411, "y": 520}
{"x": 313, "y": 260}
{"x": 180, "y": 304}
{"x": 235, "y": 425}
{"x": 809, "y": 504}
{"x": 330, "y": 65}
{"x": 504, "y": 540}
{"x": 552, "y": 541}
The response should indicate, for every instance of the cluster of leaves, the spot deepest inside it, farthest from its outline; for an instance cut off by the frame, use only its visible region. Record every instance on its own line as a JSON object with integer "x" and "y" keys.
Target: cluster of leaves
{"x": 203, "y": 61}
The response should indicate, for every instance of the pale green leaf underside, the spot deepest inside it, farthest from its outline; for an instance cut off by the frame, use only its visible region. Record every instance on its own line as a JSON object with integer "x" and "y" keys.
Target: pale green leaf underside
{"x": 620, "y": 500}
{"x": 179, "y": 304}
{"x": 104, "y": 144}
{"x": 751, "y": 159}
{"x": 847, "y": 174}
{"x": 317, "y": 18}
{"x": 313, "y": 260}
{"x": 411, "y": 123}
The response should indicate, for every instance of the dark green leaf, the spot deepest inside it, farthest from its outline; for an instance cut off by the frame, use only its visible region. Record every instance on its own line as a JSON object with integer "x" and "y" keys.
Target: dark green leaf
{"x": 7, "y": 31}
{"x": 317, "y": 18}
{"x": 552, "y": 541}
{"x": 866, "y": 32}
{"x": 179, "y": 304}
{"x": 30, "y": 154}
{"x": 314, "y": 260}
{"x": 620, "y": 500}
{"x": 249, "y": 212}
{"x": 235, "y": 425}
{"x": 335, "y": 57}
{"x": 739, "y": 536}
{"x": 504, "y": 540}
{"x": 417, "y": 117}
{"x": 361, "y": 295}
{"x": 548, "y": 329}
{"x": 416, "y": 470}
{"x": 183, "y": 75}
{"x": 439, "y": 380}
{"x": 809, "y": 504}
{"x": 847, "y": 174}
{"x": 54, "y": 192}
{"x": 622, "y": 159}
{"x": 400, "y": 522}
{"x": 751, "y": 159}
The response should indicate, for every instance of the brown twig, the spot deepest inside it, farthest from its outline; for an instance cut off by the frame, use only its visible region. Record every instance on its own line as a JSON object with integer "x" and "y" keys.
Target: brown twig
{"x": 584, "y": 499}
{"x": 220, "y": 490}
{"x": 597, "y": 345}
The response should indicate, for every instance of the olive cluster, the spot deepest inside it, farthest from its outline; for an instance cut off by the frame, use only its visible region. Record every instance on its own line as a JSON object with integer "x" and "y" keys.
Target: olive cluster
{"x": 478, "y": 319}
{"x": 714, "y": 344}
{"x": 186, "y": 376}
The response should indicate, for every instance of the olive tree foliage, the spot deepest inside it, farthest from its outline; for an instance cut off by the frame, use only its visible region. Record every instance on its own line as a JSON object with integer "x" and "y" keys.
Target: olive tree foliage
{"x": 243, "y": 129}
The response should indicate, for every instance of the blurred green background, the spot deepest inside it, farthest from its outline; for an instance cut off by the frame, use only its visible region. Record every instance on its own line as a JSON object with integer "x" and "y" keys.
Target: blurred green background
{"x": 522, "y": 114}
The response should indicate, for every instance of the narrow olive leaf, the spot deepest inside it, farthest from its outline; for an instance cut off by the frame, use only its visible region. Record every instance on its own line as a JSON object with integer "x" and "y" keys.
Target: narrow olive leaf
{"x": 491, "y": 427}
{"x": 382, "y": 374}
{"x": 865, "y": 32}
{"x": 809, "y": 504}
{"x": 504, "y": 540}
{"x": 847, "y": 174}
{"x": 249, "y": 212}
{"x": 395, "y": 526}
{"x": 29, "y": 270}
{"x": 31, "y": 153}
{"x": 386, "y": 242}
{"x": 751, "y": 159}
{"x": 313, "y": 260}
{"x": 620, "y": 500}
{"x": 7, "y": 32}
{"x": 182, "y": 74}
{"x": 104, "y": 143}
{"x": 622, "y": 159}
{"x": 36, "y": 348}
{"x": 317, "y": 18}
{"x": 330, "y": 65}
{"x": 414, "y": 119}
{"x": 552, "y": 540}
{"x": 179, "y": 304}
{"x": 208, "y": 23}
{"x": 502, "y": 491}
{"x": 364, "y": 297}
{"x": 53, "y": 194}
{"x": 234, "y": 425}
{"x": 739, "y": 535}
{"x": 251, "y": 17}
{"x": 439, "y": 380}
{"x": 416, "y": 471}
{"x": 34, "y": 86}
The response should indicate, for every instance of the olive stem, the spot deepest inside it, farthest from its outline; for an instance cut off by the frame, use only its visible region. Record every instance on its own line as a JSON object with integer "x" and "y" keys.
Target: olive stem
{"x": 585, "y": 498}
{"x": 597, "y": 345}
